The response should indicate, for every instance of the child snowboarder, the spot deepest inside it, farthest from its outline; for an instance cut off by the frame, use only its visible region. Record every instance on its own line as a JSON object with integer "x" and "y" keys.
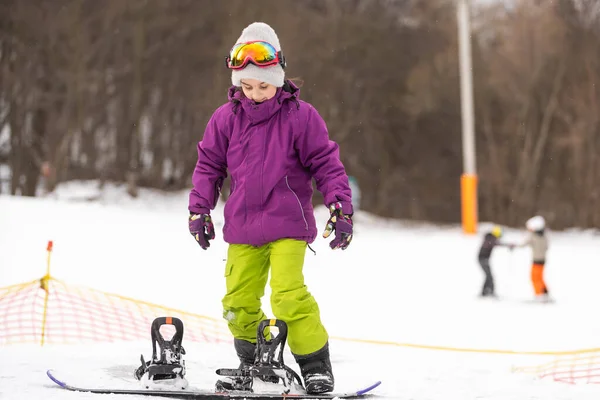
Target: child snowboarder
{"x": 538, "y": 242}
{"x": 273, "y": 144}
{"x": 490, "y": 240}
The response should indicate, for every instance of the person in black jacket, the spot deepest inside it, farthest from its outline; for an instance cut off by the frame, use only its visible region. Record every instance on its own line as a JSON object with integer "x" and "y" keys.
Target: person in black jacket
{"x": 490, "y": 240}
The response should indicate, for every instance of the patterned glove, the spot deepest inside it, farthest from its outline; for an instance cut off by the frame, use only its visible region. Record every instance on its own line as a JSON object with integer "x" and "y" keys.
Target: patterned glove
{"x": 341, "y": 224}
{"x": 202, "y": 229}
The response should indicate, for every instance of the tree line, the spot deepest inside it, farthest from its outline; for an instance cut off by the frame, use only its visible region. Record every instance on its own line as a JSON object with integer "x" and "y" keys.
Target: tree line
{"x": 122, "y": 90}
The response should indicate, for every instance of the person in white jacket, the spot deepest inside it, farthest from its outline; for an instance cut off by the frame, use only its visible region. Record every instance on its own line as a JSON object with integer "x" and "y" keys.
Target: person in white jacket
{"x": 537, "y": 240}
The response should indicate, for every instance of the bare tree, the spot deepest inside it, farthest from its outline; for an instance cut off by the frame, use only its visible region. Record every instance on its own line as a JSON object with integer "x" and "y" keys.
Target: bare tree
{"x": 122, "y": 90}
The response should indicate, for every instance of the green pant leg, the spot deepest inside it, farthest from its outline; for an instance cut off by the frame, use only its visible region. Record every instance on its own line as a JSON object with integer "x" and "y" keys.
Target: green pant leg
{"x": 246, "y": 274}
{"x": 291, "y": 300}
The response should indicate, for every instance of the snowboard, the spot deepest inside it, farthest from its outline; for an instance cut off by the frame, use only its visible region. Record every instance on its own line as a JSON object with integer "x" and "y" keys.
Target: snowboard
{"x": 211, "y": 395}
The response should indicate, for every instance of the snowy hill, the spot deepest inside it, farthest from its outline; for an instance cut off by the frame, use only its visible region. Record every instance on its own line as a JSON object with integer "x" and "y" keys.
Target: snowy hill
{"x": 397, "y": 283}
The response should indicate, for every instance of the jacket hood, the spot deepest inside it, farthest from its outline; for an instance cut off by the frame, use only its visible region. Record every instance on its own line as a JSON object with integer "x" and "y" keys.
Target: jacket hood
{"x": 258, "y": 112}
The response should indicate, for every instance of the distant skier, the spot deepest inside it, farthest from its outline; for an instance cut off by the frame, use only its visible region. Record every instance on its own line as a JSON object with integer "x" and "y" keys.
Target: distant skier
{"x": 537, "y": 240}
{"x": 490, "y": 240}
{"x": 273, "y": 144}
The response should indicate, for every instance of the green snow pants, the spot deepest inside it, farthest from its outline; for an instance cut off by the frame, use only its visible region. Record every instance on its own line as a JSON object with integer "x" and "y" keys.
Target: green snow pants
{"x": 246, "y": 275}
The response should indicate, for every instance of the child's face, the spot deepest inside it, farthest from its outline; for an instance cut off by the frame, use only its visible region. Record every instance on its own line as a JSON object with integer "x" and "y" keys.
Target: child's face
{"x": 257, "y": 90}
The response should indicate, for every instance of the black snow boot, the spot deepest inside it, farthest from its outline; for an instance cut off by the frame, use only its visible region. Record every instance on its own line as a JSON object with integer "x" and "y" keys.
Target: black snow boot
{"x": 245, "y": 351}
{"x": 316, "y": 371}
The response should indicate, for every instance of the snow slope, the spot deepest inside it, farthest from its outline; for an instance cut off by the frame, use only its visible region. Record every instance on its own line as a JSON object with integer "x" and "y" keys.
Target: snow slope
{"x": 397, "y": 283}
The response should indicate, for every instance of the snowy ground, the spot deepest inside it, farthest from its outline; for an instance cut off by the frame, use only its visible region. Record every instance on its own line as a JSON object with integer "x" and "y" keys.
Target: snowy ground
{"x": 396, "y": 283}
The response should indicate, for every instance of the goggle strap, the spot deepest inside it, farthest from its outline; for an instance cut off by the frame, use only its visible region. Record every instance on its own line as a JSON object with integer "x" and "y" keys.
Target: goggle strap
{"x": 281, "y": 59}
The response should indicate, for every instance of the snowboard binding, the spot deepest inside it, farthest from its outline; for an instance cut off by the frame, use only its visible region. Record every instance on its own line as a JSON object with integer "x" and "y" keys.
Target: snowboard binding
{"x": 268, "y": 369}
{"x": 167, "y": 366}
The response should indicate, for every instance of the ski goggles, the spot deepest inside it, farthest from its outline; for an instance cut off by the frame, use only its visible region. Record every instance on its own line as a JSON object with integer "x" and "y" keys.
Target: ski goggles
{"x": 259, "y": 53}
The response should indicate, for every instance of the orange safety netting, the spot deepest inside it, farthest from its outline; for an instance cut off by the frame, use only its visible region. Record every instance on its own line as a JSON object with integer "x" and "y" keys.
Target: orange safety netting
{"x": 50, "y": 311}
{"x": 576, "y": 368}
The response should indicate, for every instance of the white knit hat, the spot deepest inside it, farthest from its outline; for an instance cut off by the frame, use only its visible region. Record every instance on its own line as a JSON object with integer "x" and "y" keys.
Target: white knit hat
{"x": 273, "y": 74}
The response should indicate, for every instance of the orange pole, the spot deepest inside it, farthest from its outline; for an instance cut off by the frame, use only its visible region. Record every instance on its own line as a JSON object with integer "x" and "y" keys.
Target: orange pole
{"x": 468, "y": 192}
{"x": 45, "y": 280}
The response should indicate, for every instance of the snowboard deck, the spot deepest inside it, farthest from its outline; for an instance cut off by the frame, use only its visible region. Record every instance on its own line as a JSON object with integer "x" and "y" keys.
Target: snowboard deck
{"x": 212, "y": 395}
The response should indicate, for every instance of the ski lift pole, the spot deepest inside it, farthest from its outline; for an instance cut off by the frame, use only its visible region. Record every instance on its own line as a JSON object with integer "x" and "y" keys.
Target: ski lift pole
{"x": 44, "y": 285}
{"x": 468, "y": 181}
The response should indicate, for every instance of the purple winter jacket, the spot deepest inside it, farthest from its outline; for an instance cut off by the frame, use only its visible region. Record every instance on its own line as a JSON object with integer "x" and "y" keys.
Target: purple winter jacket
{"x": 272, "y": 150}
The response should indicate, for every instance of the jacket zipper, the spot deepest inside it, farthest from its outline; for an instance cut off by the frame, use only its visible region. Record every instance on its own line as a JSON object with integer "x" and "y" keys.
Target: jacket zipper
{"x": 299, "y": 202}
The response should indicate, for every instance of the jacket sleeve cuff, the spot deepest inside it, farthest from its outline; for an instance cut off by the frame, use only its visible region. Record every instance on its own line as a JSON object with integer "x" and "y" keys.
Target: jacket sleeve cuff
{"x": 199, "y": 210}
